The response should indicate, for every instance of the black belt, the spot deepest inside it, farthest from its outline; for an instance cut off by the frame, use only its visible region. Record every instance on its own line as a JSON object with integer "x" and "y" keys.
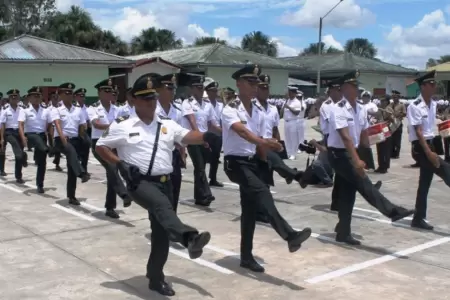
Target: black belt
{"x": 156, "y": 178}
{"x": 238, "y": 157}
{"x": 337, "y": 149}
{"x": 38, "y": 133}
{"x": 12, "y": 129}
{"x": 429, "y": 142}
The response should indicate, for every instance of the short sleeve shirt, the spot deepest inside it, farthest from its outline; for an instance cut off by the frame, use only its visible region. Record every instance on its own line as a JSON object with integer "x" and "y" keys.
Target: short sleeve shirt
{"x": 296, "y": 105}
{"x": 324, "y": 117}
{"x": 203, "y": 113}
{"x": 272, "y": 119}
{"x": 35, "y": 120}
{"x": 418, "y": 113}
{"x": 10, "y": 116}
{"x": 71, "y": 119}
{"x": 98, "y": 112}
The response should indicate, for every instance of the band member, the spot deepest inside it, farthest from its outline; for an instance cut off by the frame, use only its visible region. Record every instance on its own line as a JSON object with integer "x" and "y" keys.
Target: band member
{"x": 79, "y": 96}
{"x": 34, "y": 122}
{"x": 199, "y": 115}
{"x": 348, "y": 129}
{"x": 54, "y": 151}
{"x": 10, "y": 133}
{"x": 293, "y": 113}
{"x": 384, "y": 114}
{"x": 243, "y": 129}
{"x": 69, "y": 128}
{"x": 365, "y": 152}
{"x": 101, "y": 115}
{"x": 421, "y": 130}
{"x": 399, "y": 114}
{"x": 144, "y": 142}
{"x": 211, "y": 88}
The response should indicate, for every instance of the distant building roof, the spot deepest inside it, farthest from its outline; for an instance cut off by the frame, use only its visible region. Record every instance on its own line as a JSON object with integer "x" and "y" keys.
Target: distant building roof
{"x": 216, "y": 55}
{"x": 293, "y": 81}
{"x": 26, "y": 48}
{"x": 445, "y": 67}
{"x": 342, "y": 62}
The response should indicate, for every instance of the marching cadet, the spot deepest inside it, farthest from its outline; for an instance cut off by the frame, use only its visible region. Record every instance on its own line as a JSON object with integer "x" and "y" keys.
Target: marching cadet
{"x": 101, "y": 115}
{"x": 211, "y": 88}
{"x": 293, "y": 113}
{"x": 422, "y": 123}
{"x": 4, "y": 105}
{"x": 54, "y": 151}
{"x": 399, "y": 114}
{"x": 34, "y": 122}
{"x": 348, "y": 129}
{"x": 165, "y": 88}
{"x": 229, "y": 95}
{"x": 199, "y": 115}
{"x": 69, "y": 128}
{"x": 127, "y": 109}
{"x": 243, "y": 127}
{"x": 79, "y": 96}
{"x": 144, "y": 143}
{"x": 384, "y": 114}
{"x": 10, "y": 133}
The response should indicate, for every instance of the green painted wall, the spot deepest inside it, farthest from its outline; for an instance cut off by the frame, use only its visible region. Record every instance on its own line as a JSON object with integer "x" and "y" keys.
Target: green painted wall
{"x": 24, "y": 76}
{"x": 412, "y": 90}
{"x": 278, "y": 78}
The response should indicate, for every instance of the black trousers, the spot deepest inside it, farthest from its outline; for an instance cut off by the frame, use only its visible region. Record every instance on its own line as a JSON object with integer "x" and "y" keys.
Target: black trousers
{"x": 366, "y": 155}
{"x": 447, "y": 149}
{"x": 85, "y": 149}
{"x": 214, "y": 157}
{"x": 176, "y": 177}
{"x": 198, "y": 154}
{"x": 38, "y": 141}
{"x": 335, "y": 193}
{"x": 74, "y": 168}
{"x": 255, "y": 196}
{"x": 20, "y": 156}
{"x": 348, "y": 183}
{"x": 112, "y": 179}
{"x": 55, "y": 152}
{"x": 384, "y": 153}
{"x": 427, "y": 170}
{"x": 157, "y": 199}
{"x": 397, "y": 142}
{"x": 278, "y": 165}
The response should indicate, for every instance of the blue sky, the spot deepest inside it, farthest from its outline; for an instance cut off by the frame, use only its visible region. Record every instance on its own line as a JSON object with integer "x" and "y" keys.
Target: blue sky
{"x": 405, "y": 32}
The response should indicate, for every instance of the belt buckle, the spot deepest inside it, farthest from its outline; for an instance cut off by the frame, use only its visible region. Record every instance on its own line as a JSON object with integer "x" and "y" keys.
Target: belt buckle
{"x": 250, "y": 157}
{"x": 163, "y": 179}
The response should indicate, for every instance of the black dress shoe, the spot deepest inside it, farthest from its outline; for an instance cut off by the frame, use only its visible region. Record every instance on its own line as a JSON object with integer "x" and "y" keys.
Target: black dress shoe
{"x": 420, "y": 223}
{"x": 85, "y": 177}
{"x": 204, "y": 202}
{"x": 334, "y": 208}
{"x": 211, "y": 198}
{"x": 58, "y": 168}
{"x": 401, "y": 213}
{"x": 196, "y": 244}
{"x": 416, "y": 165}
{"x": 296, "y": 239}
{"x": 378, "y": 184}
{"x": 2, "y": 173}
{"x": 252, "y": 265}
{"x": 112, "y": 214}
{"x": 380, "y": 171}
{"x": 347, "y": 240}
{"x": 74, "y": 201}
{"x": 24, "y": 164}
{"x": 40, "y": 190}
{"x": 215, "y": 183}
{"x": 336, "y": 228}
{"x": 162, "y": 288}
{"x": 20, "y": 181}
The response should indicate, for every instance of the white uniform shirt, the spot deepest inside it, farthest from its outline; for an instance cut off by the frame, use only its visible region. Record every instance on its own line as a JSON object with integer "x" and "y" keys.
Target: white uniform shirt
{"x": 217, "y": 109}
{"x": 84, "y": 111}
{"x": 174, "y": 113}
{"x": 134, "y": 140}
{"x": 296, "y": 105}
{"x": 418, "y": 113}
{"x": 233, "y": 144}
{"x": 126, "y": 110}
{"x": 203, "y": 114}
{"x": 343, "y": 115}
{"x": 272, "y": 119}
{"x": 71, "y": 119}
{"x": 325, "y": 111}
{"x": 99, "y": 113}
{"x": 9, "y": 117}
{"x": 35, "y": 121}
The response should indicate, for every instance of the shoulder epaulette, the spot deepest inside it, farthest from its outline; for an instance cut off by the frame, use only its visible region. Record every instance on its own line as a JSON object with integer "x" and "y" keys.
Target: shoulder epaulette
{"x": 43, "y": 105}
{"x": 234, "y": 103}
{"x": 341, "y": 103}
{"x": 207, "y": 100}
{"x": 76, "y": 104}
{"x": 176, "y": 107}
{"x": 5, "y": 106}
{"x": 96, "y": 104}
{"x": 257, "y": 104}
{"x": 328, "y": 101}
{"x": 164, "y": 117}
{"x": 60, "y": 104}
{"x": 121, "y": 119}
{"x": 417, "y": 102}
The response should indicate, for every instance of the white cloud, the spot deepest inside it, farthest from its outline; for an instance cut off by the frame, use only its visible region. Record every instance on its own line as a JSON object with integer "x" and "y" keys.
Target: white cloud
{"x": 413, "y": 46}
{"x": 64, "y": 5}
{"x": 348, "y": 14}
{"x": 329, "y": 41}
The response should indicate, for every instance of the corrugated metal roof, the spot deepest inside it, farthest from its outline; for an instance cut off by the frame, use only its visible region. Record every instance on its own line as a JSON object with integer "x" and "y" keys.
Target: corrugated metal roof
{"x": 31, "y": 48}
{"x": 216, "y": 54}
{"x": 293, "y": 81}
{"x": 345, "y": 61}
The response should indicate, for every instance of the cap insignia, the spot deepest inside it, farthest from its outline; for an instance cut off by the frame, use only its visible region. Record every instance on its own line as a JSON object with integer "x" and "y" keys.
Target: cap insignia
{"x": 256, "y": 70}
{"x": 69, "y": 86}
{"x": 266, "y": 79}
{"x": 149, "y": 83}
{"x": 110, "y": 82}
{"x": 174, "y": 79}
{"x": 357, "y": 74}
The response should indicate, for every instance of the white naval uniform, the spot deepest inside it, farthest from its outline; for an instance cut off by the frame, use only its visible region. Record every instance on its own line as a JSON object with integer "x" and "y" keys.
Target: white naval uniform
{"x": 418, "y": 113}
{"x": 272, "y": 119}
{"x": 343, "y": 115}
{"x": 126, "y": 110}
{"x": 103, "y": 117}
{"x": 35, "y": 121}
{"x": 71, "y": 119}
{"x": 324, "y": 117}
{"x": 174, "y": 114}
{"x": 203, "y": 114}
{"x": 217, "y": 109}
{"x": 9, "y": 117}
{"x": 294, "y": 126}
{"x": 233, "y": 144}
{"x": 134, "y": 140}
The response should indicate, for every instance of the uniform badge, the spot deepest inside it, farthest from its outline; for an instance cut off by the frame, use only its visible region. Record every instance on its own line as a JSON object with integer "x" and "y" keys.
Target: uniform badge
{"x": 105, "y": 133}
{"x": 256, "y": 70}
{"x": 110, "y": 82}
{"x": 164, "y": 130}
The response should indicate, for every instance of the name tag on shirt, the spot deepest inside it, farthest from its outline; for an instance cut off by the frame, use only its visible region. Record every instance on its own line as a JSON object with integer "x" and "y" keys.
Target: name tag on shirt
{"x": 133, "y": 134}
{"x": 424, "y": 117}
{"x": 243, "y": 122}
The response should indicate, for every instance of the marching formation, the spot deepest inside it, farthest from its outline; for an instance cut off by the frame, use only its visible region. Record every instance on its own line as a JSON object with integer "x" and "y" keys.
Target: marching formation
{"x": 143, "y": 145}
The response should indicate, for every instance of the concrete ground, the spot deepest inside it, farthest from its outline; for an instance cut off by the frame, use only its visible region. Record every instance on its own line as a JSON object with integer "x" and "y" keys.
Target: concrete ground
{"x": 49, "y": 250}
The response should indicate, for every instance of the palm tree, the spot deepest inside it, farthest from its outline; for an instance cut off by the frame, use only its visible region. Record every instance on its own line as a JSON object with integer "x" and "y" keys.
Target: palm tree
{"x": 208, "y": 40}
{"x": 313, "y": 49}
{"x": 152, "y": 39}
{"x": 113, "y": 44}
{"x": 259, "y": 42}
{"x": 361, "y": 47}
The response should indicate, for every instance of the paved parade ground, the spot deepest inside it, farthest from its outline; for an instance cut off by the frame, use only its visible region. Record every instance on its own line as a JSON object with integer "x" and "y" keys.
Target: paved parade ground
{"x": 50, "y": 250}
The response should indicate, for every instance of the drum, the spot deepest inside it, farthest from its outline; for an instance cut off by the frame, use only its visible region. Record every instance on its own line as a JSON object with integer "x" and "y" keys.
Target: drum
{"x": 378, "y": 133}
{"x": 394, "y": 125}
{"x": 444, "y": 128}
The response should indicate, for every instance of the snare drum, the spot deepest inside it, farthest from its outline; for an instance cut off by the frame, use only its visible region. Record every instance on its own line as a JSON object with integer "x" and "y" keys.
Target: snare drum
{"x": 444, "y": 128}
{"x": 378, "y": 133}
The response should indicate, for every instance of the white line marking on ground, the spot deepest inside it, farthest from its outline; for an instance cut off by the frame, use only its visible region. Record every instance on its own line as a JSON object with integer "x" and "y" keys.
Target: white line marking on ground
{"x": 11, "y": 188}
{"x": 231, "y": 184}
{"x": 227, "y": 252}
{"x": 377, "y": 261}
{"x": 73, "y": 212}
{"x": 376, "y": 212}
{"x": 94, "y": 162}
{"x": 200, "y": 261}
{"x": 90, "y": 206}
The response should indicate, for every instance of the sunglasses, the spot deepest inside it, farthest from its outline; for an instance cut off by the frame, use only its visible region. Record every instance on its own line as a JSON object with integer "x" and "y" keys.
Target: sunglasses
{"x": 107, "y": 90}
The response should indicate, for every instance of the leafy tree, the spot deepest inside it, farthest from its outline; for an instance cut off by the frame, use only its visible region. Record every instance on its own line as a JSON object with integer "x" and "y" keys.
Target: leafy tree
{"x": 152, "y": 39}
{"x": 259, "y": 42}
{"x": 313, "y": 49}
{"x": 208, "y": 40}
{"x": 433, "y": 62}
{"x": 361, "y": 47}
